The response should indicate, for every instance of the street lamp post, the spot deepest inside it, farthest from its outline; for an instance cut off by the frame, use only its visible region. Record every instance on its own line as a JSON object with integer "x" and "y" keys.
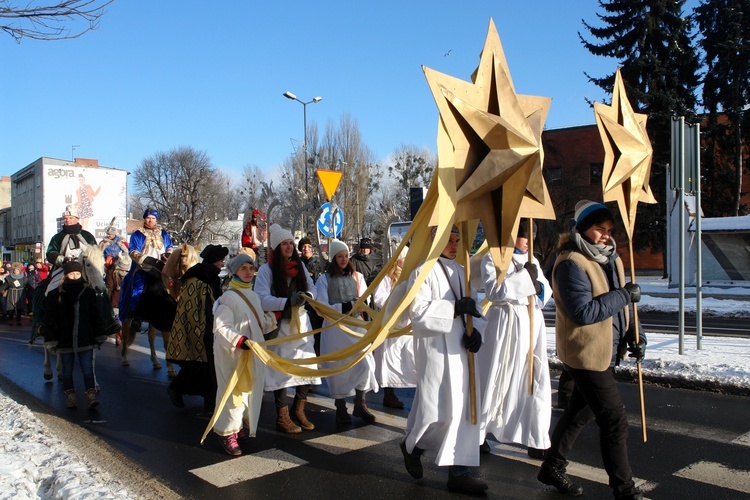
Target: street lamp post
{"x": 293, "y": 97}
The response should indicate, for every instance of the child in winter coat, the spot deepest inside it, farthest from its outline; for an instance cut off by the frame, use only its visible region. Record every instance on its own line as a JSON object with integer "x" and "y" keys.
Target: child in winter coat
{"x": 73, "y": 327}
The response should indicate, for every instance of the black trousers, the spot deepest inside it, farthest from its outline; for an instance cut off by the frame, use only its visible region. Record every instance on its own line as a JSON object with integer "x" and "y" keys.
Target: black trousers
{"x": 595, "y": 397}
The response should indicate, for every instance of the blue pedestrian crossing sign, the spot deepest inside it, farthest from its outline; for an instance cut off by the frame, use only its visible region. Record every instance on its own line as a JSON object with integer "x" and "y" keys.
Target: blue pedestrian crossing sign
{"x": 324, "y": 221}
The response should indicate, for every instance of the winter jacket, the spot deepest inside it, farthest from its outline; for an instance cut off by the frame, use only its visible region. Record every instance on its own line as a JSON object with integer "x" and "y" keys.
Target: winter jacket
{"x": 73, "y": 319}
{"x": 14, "y": 285}
{"x": 192, "y": 332}
{"x": 365, "y": 265}
{"x": 69, "y": 242}
{"x": 592, "y": 309}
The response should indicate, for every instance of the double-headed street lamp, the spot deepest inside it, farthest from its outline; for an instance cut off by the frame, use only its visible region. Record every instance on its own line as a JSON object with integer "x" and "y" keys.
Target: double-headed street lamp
{"x": 293, "y": 97}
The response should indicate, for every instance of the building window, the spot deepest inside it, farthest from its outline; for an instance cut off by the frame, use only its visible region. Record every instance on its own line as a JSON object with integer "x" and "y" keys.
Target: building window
{"x": 596, "y": 173}
{"x": 552, "y": 174}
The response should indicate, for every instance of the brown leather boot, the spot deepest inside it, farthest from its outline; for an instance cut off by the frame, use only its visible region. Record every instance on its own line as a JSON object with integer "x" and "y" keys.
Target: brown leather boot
{"x": 284, "y": 423}
{"x": 298, "y": 412}
{"x": 390, "y": 399}
{"x": 91, "y": 399}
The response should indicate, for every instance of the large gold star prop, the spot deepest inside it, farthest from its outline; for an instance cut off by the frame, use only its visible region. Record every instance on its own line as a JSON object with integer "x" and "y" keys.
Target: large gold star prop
{"x": 627, "y": 154}
{"x": 490, "y": 138}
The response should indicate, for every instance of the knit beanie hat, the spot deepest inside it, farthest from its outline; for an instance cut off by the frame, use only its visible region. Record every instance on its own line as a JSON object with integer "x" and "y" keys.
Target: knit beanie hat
{"x": 336, "y": 247}
{"x": 277, "y": 234}
{"x": 365, "y": 243}
{"x": 304, "y": 241}
{"x": 589, "y": 213}
{"x": 235, "y": 262}
{"x": 72, "y": 266}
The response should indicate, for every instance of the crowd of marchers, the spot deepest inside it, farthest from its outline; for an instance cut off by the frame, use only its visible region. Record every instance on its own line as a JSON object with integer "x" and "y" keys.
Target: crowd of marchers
{"x": 209, "y": 325}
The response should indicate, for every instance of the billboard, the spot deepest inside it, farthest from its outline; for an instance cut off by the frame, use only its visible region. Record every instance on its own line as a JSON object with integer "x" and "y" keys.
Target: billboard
{"x": 99, "y": 194}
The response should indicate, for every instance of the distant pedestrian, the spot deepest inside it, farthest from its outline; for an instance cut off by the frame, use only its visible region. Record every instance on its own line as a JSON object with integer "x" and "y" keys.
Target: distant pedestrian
{"x": 73, "y": 328}
{"x": 14, "y": 286}
{"x": 364, "y": 262}
{"x": 593, "y": 331}
{"x": 33, "y": 278}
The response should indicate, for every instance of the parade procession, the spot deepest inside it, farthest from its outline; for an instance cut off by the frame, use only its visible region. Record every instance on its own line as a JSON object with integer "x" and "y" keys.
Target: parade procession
{"x": 461, "y": 324}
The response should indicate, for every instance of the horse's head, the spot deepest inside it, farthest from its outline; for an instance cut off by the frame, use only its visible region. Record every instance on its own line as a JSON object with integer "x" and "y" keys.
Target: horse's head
{"x": 188, "y": 258}
{"x": 92, "y": 260}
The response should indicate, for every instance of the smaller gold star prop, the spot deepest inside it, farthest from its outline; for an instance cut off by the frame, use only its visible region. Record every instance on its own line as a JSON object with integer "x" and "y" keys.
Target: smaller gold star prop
{"x": 627, "y": 154}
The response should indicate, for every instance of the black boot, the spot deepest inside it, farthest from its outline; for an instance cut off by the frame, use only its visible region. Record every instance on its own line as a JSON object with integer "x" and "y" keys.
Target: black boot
{"x": 342, "y": 415}
{"x": 557, "y": 477}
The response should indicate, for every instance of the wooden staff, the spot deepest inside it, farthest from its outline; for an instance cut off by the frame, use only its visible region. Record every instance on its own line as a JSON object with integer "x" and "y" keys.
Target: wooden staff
{"x": 531, "y": 311}
{"x": 469, "y": 326}
{"x": 637, "y": 339}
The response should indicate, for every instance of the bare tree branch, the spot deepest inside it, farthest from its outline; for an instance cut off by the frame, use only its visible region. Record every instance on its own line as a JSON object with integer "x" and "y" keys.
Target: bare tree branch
{"x": 60, "y": 20}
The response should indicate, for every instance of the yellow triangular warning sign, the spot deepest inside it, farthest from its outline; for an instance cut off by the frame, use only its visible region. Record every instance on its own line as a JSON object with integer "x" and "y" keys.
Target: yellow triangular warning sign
{"x": 330, "y": 180}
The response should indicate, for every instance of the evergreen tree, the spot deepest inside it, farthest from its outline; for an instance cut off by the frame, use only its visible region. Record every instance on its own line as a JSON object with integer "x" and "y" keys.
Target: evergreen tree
{"x": 651, "y": 41}
{"x": 725, "y": 26}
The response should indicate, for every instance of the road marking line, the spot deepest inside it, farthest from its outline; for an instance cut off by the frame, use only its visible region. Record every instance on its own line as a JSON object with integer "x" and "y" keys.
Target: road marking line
{"x": 694, "y": 431}
{"x": 354, "y": 439}
{"x": 594, "y": 474}
{"x": 717, "y": 475}
{"x": 248, "y": 467}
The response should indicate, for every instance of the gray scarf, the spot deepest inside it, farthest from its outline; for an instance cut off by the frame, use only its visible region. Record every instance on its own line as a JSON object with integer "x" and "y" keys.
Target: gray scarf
{"x": 597, "y": 253}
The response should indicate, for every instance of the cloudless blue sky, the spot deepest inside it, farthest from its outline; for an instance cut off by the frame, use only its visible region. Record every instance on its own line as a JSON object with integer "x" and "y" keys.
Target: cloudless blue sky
{"x": 210, "y": 75}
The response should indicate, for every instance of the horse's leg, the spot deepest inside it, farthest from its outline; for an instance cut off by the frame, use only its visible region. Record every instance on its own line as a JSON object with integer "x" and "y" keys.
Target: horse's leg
{"x": 152, "y": 341}
{"x": 128, "y": 337}
{"x": 47, "y": 366}
{"x": 171, "y": 373}
{"x": 58, "y": 366}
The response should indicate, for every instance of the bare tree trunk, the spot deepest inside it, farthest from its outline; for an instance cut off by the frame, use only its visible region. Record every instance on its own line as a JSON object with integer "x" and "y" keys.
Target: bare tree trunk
{"x": 738, "y": 161}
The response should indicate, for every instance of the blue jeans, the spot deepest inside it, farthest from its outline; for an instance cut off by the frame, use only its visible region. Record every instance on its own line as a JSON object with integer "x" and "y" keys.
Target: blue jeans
{"x": 85, "y": 361}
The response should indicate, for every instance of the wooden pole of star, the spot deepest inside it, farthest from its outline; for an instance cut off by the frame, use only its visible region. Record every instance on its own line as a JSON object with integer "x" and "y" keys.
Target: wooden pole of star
{"x": 637, "y": 340}
{"x": 469, "y": 326}
{"x": 531, "y": 311}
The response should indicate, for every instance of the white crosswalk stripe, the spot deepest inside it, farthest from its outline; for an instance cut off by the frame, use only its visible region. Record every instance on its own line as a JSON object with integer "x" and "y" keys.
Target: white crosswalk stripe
{"x": 263, "y": 463}
{"x": 717, "y": 475}
{"x": 355, "y": 439}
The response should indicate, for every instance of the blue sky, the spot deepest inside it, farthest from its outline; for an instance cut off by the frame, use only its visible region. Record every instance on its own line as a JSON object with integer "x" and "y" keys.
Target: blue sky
{"x": 157, "y": 75}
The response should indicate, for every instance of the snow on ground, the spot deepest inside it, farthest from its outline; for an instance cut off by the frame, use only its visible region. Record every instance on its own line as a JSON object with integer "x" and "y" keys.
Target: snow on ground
{"x": 35, "y": 464}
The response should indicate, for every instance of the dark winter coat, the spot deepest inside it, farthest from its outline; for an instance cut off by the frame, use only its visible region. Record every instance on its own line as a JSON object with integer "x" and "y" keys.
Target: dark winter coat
{"x": 315, "y": 267}
{"x": 14, "y": 284}
{"x": 73, "y": 319}
{"x": 365, "y": 265}
{"x": 592, "y": 309}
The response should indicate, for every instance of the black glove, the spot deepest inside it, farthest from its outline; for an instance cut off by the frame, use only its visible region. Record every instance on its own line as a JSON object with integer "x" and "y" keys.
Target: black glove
{"x": 472, "y": 342}
{"x": 346, "y": 307}
{"x": 297, "y": 298}
{"x": 533, "y": 271}
{"x": 243, "y": 345}
{"x": 634, "y": 291}
{"x": 467, "y": 305}
{"x": 637, "y": 351}
{"x": 534, "y": 274}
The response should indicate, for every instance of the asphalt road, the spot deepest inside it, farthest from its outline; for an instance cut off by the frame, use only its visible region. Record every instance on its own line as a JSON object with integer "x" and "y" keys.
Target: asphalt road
{"x": 698, "y": 442}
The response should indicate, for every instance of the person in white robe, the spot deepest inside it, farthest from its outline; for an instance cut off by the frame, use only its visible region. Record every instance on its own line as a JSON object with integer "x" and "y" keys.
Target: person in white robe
{"x": 510, "y": 412}
{"x": 340, "y": 287}
{"x": 394, "y": 358}
{"x": 238, "y": 316}
{"x": 283, "y": 284}
{"x": 439, "y": 423}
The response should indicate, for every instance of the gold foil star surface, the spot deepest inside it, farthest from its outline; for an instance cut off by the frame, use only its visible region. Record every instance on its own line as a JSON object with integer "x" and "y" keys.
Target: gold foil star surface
{"x": 490, "y": 137}
{"x": 627, "y": 154}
